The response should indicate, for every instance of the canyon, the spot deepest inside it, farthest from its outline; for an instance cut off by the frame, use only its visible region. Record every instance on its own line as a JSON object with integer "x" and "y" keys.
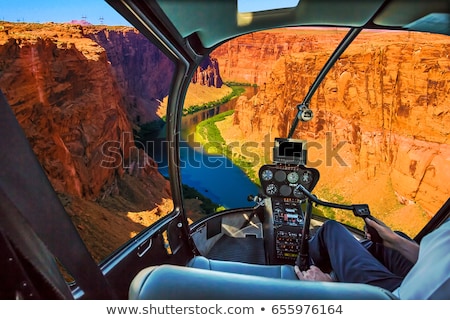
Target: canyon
{"x": 384, "y": 106}
{"x": 81, "y": 92}
{"x": 78, "y": 101}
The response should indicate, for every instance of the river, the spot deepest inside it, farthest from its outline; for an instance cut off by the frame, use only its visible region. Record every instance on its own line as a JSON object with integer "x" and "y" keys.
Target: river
{"x": 215, "y": 176}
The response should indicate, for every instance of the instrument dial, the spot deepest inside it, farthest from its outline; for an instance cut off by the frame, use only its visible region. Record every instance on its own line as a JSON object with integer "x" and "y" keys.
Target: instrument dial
{"x": 292, "y": 177}
{"x": 267, "y": 175}
{"x": 285, "y": 190}
{"x": 306, "y": 177}
{"x": 280, "y": 175}
{"x": 298, "y": 193}
{"x": 271, "y": 189}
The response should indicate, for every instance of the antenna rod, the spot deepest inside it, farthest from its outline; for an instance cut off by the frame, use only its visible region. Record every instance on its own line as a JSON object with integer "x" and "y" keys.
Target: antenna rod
{"x": 349, "y": 37}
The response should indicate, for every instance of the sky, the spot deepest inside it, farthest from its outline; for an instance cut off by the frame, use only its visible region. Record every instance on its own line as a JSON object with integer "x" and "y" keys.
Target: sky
{"x": 258, "y": 5}
{"x": 60, "y": 11}
{"x": 93, "y": 11}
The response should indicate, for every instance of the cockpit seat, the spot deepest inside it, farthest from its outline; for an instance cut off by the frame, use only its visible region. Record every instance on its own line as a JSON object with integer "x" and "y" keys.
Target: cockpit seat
{"x": 269, "y": 271}
{"x": 170, "y": 282}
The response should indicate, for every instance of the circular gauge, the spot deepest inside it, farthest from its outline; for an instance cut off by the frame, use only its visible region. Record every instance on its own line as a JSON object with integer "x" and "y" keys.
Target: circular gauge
{"x": 298, "y": 194}
{"x": 285, "y": 190}
{"x": 266, "y": 175}
{"x": 271, "y": 189}
{"x": 292, "y": 177}
{"x": 306, "y": 177}
{"x": 280, "y": 175}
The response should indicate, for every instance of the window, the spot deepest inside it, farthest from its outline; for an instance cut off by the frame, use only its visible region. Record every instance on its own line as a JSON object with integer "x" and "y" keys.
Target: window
{"x": 254, "y": 6}
{"x": 88, "y": 104}
{"x": 367, "y": 137}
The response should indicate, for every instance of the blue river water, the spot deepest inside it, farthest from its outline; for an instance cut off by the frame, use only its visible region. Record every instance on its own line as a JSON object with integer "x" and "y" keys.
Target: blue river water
{"x": 214, "y": 176}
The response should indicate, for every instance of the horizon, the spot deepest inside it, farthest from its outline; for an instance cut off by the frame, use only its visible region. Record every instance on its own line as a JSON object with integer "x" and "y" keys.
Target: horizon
{"x": 95, "y": 12}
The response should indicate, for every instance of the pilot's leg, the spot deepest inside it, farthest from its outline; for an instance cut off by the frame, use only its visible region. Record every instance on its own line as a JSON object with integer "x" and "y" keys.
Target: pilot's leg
{"x": 334, "y": 248}
{"x": 391, "y": 258}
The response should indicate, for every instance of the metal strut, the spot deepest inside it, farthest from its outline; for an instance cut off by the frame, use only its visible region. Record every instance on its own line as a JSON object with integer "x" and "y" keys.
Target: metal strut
{"x": 349, "y": 37}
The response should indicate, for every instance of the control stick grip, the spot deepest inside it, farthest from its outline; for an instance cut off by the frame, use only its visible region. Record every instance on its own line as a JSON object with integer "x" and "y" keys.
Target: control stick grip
{"x": 362, "y": 210}
{"x": 374, "y": 235}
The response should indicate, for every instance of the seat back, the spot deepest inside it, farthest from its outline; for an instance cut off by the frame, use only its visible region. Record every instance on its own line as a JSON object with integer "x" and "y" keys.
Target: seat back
{"x": 269, "y": 271}
{"x": 168, "y": 282}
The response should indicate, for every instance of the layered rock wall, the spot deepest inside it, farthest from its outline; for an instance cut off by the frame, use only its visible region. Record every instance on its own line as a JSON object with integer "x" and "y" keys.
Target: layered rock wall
{"x": 387, "y": 98}
{"x": 78, "y": 91}
{"x": 143, "y": 73}
{"x": 250, "y": 58}
{"x": 208, "y": 73}
{"x": 63, "y": 90}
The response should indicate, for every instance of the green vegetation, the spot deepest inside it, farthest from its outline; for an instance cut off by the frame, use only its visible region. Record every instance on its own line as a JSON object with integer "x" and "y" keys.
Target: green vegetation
{"x": 236, "y": 91}
{"x": 209, "y": 131}
{"x": 240, "y": 84}
{"x": 207, "y": 205}
{"x": 343, "y": 216}
{"x": 246, "y": 166}
{"x": 213, "y": 143}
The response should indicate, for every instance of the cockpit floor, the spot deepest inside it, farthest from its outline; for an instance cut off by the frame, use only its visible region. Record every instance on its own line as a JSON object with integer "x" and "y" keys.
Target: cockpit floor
{"x": 249, "y": 250}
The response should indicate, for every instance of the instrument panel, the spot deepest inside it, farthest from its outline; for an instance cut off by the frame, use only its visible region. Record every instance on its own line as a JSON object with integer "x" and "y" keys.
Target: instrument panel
{"x": 282, "y": 180}
{"x": 280, "y": 183}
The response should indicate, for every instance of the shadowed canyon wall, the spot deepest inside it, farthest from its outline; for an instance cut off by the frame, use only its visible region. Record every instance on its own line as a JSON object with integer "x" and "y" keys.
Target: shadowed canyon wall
{"x": 66, "y": 96}
{"x": 141, "y": 71}
{"x": 77, "y": 102}
{"x": 79, "y": 91}
{"x": 75, "y": 88}
{"x": 208, "y": 73}
{"x": 387, "y": 99}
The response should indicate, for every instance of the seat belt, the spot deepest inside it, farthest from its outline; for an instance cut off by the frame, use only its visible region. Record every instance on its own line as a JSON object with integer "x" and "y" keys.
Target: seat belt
{"x": 24, "y": 183}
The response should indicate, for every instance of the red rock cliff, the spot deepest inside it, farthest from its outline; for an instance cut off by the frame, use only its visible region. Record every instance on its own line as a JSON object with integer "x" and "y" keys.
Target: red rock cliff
{"x": 208, "y": 73}
{"x": 250, "y": 58}
{"x": 387, "y": 98}
{"x": 62, "y": 88}
{"x": 142, "y": 72}
{"x": 78, "y": 92}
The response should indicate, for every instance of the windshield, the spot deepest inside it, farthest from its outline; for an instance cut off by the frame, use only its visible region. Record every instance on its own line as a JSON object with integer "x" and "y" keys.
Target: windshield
{"x": 377, "y": 135}
{"x": 93, "y": 108}
{"x": 87, "y": 103}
